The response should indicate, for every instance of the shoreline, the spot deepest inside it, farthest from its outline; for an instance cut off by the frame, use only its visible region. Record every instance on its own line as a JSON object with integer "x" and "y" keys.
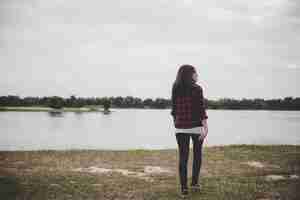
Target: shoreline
{"x": 152, "y": 150}
{"x": 100, "y": 109}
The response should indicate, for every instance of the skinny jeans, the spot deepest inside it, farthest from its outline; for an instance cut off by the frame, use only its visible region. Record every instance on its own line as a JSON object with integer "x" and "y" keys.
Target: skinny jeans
{"x": 183, "y": 141}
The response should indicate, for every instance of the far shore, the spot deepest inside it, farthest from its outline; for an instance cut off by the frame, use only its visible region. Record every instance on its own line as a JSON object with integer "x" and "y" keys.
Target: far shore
{"x": 100, "y": 109}
{"x": 48, "y": 109}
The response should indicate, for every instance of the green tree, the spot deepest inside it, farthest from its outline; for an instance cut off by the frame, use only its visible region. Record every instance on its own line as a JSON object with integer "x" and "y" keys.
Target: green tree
{"x": 106, "y": 104}
{"x": 56, "y": 102}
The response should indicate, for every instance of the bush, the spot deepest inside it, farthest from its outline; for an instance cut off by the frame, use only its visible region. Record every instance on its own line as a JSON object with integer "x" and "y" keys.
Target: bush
{"x": 56, "y": 102}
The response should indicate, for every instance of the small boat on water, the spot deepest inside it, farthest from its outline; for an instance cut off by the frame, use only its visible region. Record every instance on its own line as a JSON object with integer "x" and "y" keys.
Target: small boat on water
{"x": 106, "y": 112}
{"x": 55, "y": 112}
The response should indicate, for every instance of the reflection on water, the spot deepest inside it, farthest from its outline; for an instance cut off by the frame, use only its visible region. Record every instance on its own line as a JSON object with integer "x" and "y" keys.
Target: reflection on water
{"x": 55, "y": 113}
{"x": 106, "y": 112}
{"x": 140, "y": 128}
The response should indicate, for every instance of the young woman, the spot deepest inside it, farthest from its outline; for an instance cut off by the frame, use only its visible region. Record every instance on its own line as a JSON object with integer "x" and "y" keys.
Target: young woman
{"x": 190, "y": 121}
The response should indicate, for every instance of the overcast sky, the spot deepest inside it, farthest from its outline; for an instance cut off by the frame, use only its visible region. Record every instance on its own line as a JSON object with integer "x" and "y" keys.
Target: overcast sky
{"x": 240, "y": 48}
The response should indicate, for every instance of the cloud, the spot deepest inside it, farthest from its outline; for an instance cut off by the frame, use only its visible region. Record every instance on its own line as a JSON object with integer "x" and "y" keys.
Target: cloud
{"x": 139, "y": 39}
{"x": 293, "y": 66}
{"x": 187, "y": 2}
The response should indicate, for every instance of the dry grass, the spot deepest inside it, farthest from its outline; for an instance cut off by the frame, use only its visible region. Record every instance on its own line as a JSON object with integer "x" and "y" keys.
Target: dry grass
{"x": 224, "y": 174}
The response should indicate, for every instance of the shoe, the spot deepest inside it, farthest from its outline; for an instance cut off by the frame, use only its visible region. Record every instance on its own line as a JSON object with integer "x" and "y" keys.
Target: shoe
{"x": 196, "y": 187}
{"x": 184, "y": 193}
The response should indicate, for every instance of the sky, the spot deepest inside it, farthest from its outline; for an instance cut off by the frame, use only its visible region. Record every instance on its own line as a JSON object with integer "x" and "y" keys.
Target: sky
{"x": 240, "y": 48}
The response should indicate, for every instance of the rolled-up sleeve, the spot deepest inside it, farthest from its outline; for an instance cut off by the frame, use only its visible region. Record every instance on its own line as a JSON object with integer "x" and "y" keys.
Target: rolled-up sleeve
{"x": 203, "y": 114}
{"x": 173, "y": 106}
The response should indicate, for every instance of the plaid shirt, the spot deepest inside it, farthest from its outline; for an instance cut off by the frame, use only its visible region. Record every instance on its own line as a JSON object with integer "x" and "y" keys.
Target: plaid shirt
{"x": 188, "y": 111}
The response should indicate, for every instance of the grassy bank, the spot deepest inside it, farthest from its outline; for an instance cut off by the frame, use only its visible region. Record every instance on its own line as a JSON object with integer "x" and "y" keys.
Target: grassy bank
{"x": 228, "y": 172}
{"x": 48, "y": 109}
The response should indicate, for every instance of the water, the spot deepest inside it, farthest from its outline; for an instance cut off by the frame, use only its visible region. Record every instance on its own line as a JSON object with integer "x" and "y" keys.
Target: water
{"x": 138, "y": 128}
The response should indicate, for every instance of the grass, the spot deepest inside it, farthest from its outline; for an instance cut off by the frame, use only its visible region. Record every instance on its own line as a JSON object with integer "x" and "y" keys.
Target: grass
{"x": 48, "y": 109}
{"x": 224, "y": 174}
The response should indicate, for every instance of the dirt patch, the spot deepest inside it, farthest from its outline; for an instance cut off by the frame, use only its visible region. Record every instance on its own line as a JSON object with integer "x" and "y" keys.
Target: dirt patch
{"x": 19, "y": 163}
{"x": 294, "y": 176}
{"x": 10, "y": 169}
{"x": 156, "y": 170}
{"x": 55, "y": 185}
{"x": 93, "y": 169}
{"x": 274, "y": 177}
{"x": 146, "y": 175}
{"x": 255, "y": 164}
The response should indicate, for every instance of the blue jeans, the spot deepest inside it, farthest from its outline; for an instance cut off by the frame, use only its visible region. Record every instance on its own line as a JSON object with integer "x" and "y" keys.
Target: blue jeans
{"x": 183, "y": 141}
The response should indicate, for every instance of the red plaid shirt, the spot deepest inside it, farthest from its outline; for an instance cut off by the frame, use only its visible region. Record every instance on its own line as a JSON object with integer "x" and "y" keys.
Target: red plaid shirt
{"x": 188, "y": 110}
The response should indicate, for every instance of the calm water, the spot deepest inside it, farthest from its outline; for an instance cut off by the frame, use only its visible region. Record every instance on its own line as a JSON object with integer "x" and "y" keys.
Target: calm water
{"x": 135, "y": 128}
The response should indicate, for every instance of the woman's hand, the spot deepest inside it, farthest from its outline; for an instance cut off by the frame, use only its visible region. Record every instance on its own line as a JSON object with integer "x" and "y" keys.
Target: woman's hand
{"x": 205, "y": 127}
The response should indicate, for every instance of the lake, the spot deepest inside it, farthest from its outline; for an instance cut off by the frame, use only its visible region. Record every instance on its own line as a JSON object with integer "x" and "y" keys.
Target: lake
{"x": 141, "y": 129}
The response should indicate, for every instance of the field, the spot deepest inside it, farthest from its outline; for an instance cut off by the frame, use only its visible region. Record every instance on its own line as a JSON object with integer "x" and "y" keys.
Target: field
{"x": 243, "y": 172}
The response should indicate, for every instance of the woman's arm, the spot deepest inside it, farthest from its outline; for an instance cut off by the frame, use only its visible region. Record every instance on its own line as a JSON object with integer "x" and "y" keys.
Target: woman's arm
{"x": 173, "y": 106}
{"x": 203, "y": 115}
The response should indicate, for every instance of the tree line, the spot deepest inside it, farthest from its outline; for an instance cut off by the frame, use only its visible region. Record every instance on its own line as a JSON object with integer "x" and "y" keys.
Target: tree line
{"x": 73, "y": 101}
{"x": 287, "y": 103}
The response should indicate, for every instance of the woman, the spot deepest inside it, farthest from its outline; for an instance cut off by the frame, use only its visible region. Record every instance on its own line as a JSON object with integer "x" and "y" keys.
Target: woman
{"x": 190, "y": 121}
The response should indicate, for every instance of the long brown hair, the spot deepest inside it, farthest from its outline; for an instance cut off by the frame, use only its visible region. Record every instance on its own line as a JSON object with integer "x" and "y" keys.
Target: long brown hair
{"x": 184, "y": 75}
{"x": 184, "y": 79}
